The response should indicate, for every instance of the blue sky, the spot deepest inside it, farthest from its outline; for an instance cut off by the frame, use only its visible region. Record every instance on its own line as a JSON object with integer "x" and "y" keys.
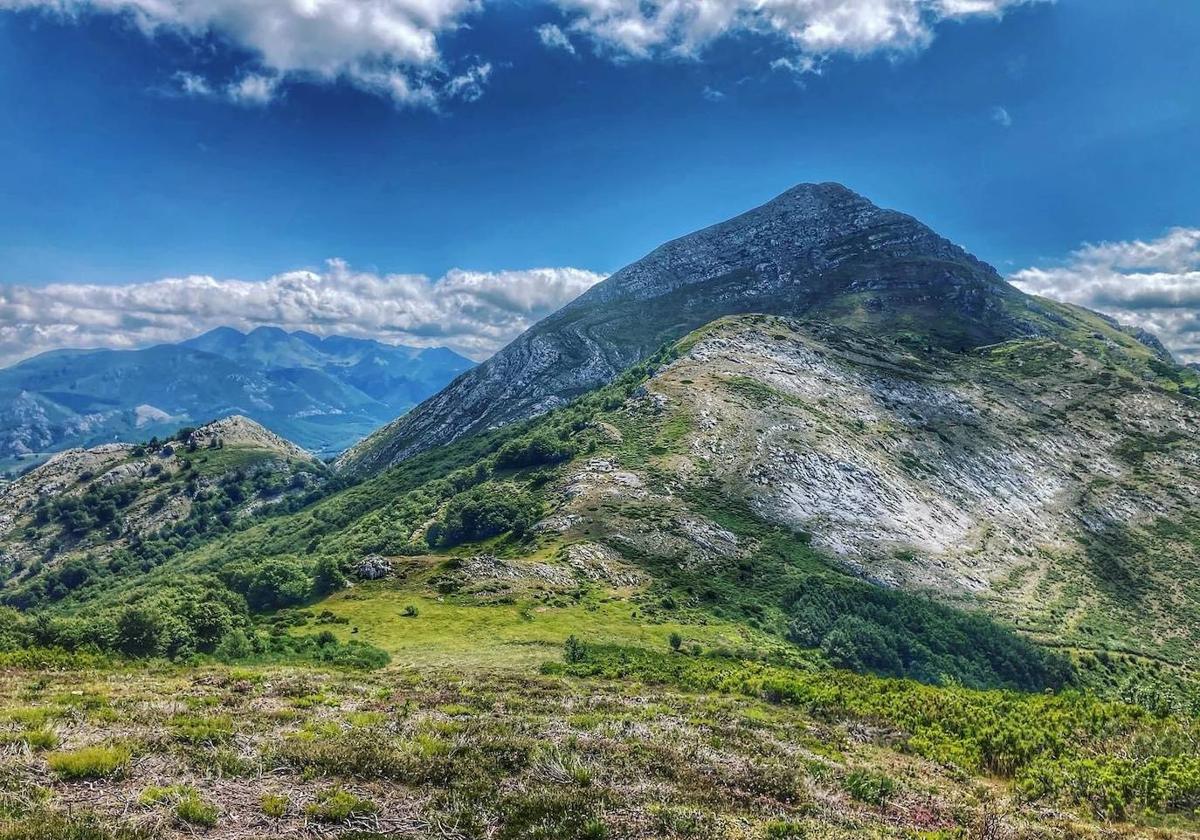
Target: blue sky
{"x": 135, "y": 148}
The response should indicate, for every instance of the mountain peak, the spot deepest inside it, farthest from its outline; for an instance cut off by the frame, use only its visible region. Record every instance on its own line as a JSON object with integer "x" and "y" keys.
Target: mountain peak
{"x": 814, "y": 251}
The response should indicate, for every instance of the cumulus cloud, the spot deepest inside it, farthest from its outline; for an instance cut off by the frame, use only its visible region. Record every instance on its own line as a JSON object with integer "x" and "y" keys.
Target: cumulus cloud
{"x": 1154, "y": 285}
{"x": 385, "y": 46}
{"x": 473, "y": 312}
{"x": 648, "y": 28}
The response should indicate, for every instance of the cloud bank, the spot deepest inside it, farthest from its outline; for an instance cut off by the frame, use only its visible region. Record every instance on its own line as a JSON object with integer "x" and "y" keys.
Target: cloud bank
{"x": 1154, "y": 285}
{"x": 396, "y": 48}
{"x": 473, "y": 312}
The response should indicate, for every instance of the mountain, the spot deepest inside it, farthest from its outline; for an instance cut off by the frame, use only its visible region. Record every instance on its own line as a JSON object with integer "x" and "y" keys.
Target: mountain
{"x": 324, "y": 393}
{"x": 817, "y": 250}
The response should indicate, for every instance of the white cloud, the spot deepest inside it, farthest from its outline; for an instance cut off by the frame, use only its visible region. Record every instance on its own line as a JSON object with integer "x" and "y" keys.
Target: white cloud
{"x": 191, "y": 84}
{"x": 1154, "y": 285}
{"x": 385, "y": 46}
{"x": 473, "y": 312}
{"x": 800, "y": 65}
{"x": 712, "y": 94}
{"x": 252, "y": 89}
{"x": 649, "y": 28}
{"x": 393, "y": 47}
{"x": 469, "y": 85}
{"x": 1001, "y": 117}
{"x": 554, "y": 38}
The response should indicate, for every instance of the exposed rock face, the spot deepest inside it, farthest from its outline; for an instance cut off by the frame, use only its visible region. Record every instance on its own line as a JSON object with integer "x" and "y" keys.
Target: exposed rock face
{"x": 818, "y": 249}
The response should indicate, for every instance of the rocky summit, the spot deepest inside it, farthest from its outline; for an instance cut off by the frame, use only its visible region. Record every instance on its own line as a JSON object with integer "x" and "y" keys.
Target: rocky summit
{"x": 817, "y": 250}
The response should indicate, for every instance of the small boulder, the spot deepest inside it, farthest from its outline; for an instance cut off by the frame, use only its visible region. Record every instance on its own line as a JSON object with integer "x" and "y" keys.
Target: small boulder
{"x": 373, "y": 567}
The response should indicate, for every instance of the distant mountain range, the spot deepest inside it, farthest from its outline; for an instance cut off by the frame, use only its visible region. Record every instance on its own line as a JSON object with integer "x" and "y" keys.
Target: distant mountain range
{"x": 322, "y": 393}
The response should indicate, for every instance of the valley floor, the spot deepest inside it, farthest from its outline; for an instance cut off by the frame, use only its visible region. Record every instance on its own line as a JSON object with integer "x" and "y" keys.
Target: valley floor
{"x": 298, "y": 752}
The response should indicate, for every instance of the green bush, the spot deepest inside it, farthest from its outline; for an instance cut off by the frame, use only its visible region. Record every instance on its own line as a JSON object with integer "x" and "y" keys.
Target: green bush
{"x": 883, "y": 631}
{"x": 274, "y": 805}
{"x": 192, "y": 810}
{"x": 269, "y": 584}
{"x": 338, "y": 805}
{"x": 327, "y": 576}
{"x": 533, "y": 450}
{"x": 1115, "y": 757}
{"x": 196, "y": 730}
{"x": 783, "y": 830}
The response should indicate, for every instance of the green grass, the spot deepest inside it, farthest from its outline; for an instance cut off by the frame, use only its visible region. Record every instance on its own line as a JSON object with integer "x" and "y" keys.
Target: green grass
{"x": 192, "y": 810}
{"x": 90, "y": 762}
{"x": 449, "y": 632}
{"x": 338, "y": 806}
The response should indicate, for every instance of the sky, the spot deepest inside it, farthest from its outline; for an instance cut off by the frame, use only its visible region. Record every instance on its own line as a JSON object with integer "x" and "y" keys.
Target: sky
{"x": 450, "y": 171}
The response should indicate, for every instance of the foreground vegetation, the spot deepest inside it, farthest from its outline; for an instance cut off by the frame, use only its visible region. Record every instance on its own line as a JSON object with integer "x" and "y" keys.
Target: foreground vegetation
{"x": 603, "y": 743}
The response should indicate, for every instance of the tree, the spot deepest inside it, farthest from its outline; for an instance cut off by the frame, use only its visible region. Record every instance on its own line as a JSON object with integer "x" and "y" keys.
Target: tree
{"x": 273, "y": 583}
{"x": 327, "y": 576}
{"x": 675, "y": 640}
{"x": 138, "y": 631}
{"x": 573, "y": 650}
{"x": 234, "y": 646}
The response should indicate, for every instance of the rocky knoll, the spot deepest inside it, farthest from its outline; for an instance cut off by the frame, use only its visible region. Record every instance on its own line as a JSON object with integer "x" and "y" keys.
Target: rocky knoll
{"x": 128, "y": 492}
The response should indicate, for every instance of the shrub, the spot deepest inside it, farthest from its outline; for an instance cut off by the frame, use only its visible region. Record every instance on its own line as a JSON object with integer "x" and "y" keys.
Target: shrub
{"x": 158, "y": 794}
{"x": 139, "y": 631}
{"x": 34, "y": 739}
{"x": 556, "y": 814}
{"x": 57, "y": 825}
{"x": 270, "y": 584}
{"x": 337, "y": 805}
{"x": 90, "y": 762}
{"x": 783, "y": 830}
{"x": 573, "y": 650}
{"x": 191, "y": 729}
{"x": 410, "y": 611}
{"x": 868, "y": 628}
{"x": 193, "y": 810}
{"x": 274, "y": 805}
{"x": 866, "y": 786}
{"x": 327, "y": 576}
